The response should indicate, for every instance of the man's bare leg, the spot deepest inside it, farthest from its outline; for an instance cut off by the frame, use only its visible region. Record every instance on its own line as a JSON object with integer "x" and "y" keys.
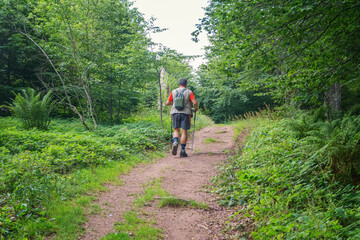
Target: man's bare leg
{"x": 183, "y": 143}
{"x": 183, "y": 136}
{"x": 176, "y": 136}
{"x": 176, "y": 133}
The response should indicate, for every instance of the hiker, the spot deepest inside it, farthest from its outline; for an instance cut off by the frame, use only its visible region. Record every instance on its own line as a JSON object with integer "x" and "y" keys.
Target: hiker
{"x": 182, "y": 100}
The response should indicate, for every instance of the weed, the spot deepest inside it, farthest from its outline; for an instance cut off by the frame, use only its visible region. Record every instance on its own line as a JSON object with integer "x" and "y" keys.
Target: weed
{"x": 152, "y": 190}
{"x": 134, "y": 227}
{"x": 210, "y": 140}
{"x": 282, "y": 178}
{"x": 220, "y": 132}
{"x": 177, "y": 202}
{"x": 95, "y": 209}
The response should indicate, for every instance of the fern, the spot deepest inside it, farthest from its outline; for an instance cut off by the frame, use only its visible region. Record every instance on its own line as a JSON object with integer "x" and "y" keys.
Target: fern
{"x": 33, "y": 110}
{"x": 335, "y": 143}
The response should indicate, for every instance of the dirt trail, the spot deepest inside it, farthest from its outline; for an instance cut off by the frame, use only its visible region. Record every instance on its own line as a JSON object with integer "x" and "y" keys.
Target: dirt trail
{"x": 184, "y": 178}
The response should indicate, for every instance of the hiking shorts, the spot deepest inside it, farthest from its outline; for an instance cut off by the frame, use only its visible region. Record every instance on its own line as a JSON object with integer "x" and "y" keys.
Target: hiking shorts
{"x": 181, "y": 120}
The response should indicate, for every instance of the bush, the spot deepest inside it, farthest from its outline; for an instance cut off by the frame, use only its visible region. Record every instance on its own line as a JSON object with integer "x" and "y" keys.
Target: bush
{"x": 285, "y": 178}
{"x": 38, "y": 168}
{"x": 336, "y": 141}
{"x": 223, "y": 104}
{"x": 35, "y": 165}
{"x": 32, "y": 110}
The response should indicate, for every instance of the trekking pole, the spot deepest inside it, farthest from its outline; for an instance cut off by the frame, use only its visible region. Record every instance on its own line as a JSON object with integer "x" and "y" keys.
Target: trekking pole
{"x": 193, "y": 137}
{"x": 171, "y": 130}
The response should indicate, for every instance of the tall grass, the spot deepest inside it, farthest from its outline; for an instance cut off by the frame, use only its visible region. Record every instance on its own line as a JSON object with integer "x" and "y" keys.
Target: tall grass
{"x": 293, "y": 176}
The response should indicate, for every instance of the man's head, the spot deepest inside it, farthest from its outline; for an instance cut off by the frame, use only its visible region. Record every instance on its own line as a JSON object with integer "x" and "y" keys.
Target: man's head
{"x": 183, "y": 82}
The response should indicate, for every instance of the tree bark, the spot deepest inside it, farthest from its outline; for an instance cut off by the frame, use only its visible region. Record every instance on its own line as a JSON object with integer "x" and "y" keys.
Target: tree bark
{"x": 111, "y": 103}
{"x": 160, "y": 97}
{"x": 8, "y": 71}
{"x": 333, "y": 97}
{"x": 119, "y": 105}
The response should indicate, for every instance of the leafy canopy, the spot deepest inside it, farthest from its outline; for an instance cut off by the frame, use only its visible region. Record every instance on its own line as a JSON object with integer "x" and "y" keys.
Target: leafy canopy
{"x": 294, "y": 49}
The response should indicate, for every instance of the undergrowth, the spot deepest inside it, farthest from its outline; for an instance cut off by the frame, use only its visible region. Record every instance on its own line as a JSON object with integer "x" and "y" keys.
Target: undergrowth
{"x": 40, "y": 168}
{"x": 296, "y": 177}
{"x": 47, "y": 177}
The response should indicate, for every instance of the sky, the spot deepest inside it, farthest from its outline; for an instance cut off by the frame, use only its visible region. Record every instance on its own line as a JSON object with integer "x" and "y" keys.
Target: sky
{"x": 179, "y": 17}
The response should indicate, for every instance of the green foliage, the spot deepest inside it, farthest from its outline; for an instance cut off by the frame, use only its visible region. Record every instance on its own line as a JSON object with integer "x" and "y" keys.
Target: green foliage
{"x": 40, "y": 168}
{"x": 294, "y": 49}
{"x": 210, "y": 140}
{"x": 178, "y": 202}
{"x": 283, "y": 177}
{"x": 152, "y": 190}
{"x": 337, "y": 141}
{"x": 134, "y": 227}
{"x": 95, "y": 55}
{"x": 202, "y": 121}
{"x": 33, "y": 110}
{"x": 44, "y": 175}
{"x": 221, "y": 98}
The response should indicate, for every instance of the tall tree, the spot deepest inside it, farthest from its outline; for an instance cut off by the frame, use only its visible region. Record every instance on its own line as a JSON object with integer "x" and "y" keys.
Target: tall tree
{"x": 92, "y": 50}
{"x": 295, "y": 49}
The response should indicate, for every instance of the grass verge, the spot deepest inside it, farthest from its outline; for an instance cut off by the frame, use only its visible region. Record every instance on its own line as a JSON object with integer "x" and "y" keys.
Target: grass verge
{"x": 287, "y": 185}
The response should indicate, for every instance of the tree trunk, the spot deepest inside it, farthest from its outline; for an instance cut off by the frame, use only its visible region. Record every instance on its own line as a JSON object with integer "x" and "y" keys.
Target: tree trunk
{"x": 160, "y": 97}
{"x": 67, "y": 96}
{"x": 9, "y": 69}
{"x": 119, "y": 105}
{"x": 333, "y": 97}
{"x": 111, "y": 112}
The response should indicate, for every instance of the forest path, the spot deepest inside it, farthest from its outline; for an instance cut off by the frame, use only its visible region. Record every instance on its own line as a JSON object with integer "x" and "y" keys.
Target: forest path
{"x": 184, "y": 178}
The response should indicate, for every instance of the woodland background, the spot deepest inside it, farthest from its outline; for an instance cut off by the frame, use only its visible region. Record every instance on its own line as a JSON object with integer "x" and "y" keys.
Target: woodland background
{"x": 91, "y": 62}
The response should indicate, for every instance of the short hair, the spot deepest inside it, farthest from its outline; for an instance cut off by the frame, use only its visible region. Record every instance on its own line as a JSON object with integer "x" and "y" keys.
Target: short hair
{"x": 183, "y": 82}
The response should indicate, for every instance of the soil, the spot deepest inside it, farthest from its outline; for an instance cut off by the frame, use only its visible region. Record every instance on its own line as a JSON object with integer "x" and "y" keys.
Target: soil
{"x": 185, "y": 178}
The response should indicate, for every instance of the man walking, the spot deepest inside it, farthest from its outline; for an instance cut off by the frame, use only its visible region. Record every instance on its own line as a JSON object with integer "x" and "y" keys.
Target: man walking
{"x": 181, "y": 114}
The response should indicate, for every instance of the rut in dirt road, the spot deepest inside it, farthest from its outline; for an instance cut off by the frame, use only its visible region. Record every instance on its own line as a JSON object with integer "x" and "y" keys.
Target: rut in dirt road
{"x": 184, "y": 178}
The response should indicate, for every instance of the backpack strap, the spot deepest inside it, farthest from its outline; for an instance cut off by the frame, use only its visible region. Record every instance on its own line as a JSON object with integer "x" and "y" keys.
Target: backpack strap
{"x": 182, "y": 91}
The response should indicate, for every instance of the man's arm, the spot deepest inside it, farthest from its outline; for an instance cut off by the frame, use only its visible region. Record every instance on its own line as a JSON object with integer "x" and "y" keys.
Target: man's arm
{"x": 195, "y": 103}
{"x": 168, "y": 103}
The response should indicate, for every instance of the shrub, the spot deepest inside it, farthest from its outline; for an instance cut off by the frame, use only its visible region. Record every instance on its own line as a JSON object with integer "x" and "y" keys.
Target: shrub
{"x": 33, "y": 110}
{"x": 285, "y": 178}
{"x": 38, "y": 168}
{"x": 336, "y": 141}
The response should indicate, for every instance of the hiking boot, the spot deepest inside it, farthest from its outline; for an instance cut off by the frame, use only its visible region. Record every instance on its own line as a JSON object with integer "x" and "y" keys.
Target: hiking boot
{"x": 174, "y": 148}
{"x": 183, "y": 153}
